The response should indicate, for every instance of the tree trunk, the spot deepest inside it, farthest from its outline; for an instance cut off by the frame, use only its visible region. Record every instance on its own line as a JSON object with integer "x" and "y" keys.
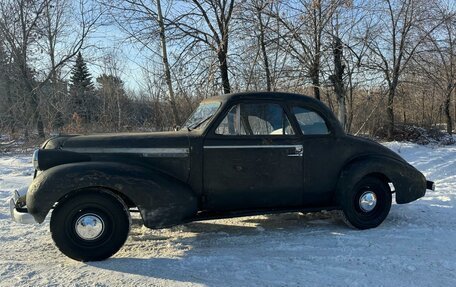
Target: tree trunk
{"x": 342, "y": 112}
{"x": 224, "y": 71}
{"x": 119, "y": 111}
{"x": 390, "y": 114}
{"x": 315, "y": 74}
{"x": 454, "y": 116}
{"x": 36, "y": 114}
{"x": 35, "y": 105}
{"x": 446, "y": 109}
{"x": 27, "y": 80}
{"x": 265, "y": 55}
{"x": 350, "y": 103}
{"x": 166, "y": 68}
{"x": 338, "y": 81}
{"x": 315, "y": 77}
{"x": 40, "y": 126}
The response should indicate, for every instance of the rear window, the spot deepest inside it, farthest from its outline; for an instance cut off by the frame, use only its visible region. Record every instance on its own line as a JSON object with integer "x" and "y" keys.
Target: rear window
{"x": 310, "y": 122}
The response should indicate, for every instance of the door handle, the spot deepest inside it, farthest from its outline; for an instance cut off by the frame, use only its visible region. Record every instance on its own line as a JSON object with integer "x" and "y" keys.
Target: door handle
{"x": 298, "y": 151}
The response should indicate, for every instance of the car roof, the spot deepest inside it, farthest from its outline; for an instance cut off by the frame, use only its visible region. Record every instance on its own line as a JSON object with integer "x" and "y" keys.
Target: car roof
{"x": 264, "y": 96}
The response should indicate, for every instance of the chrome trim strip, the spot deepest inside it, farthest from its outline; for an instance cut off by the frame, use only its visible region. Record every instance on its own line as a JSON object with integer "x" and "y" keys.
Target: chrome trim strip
{"x": 147, "y": 152}
{"x": 251, "y": 146}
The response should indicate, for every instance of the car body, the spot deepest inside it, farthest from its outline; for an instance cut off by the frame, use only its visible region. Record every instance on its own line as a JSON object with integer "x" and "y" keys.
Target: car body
{"x": 238, "y": 154}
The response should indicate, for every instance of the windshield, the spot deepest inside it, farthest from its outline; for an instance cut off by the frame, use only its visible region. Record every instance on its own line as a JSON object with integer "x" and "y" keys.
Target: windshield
{"x": 200, "y": 117}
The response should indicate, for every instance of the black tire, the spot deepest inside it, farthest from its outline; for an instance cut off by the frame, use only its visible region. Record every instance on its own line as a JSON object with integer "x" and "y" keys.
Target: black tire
{"x": 103, "y": 206}
{"x": 354, "y": 213}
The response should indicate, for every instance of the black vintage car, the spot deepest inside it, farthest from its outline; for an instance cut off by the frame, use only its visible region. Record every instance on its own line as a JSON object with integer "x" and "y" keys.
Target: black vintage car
{"x": 239, "y": 154}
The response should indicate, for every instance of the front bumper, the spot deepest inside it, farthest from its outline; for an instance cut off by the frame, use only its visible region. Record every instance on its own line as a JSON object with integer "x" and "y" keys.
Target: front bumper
{"x": 18, "y": 212}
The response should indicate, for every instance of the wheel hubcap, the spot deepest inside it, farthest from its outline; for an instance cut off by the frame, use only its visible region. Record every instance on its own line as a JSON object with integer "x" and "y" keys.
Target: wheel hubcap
{"x": 89, "y": 226}
{"x": 367, "y": 201}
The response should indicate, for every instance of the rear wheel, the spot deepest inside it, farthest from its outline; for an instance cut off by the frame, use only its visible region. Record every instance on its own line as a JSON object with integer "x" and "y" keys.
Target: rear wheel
{"x": 90, "y": 226}
{"x": 367, "y": 204}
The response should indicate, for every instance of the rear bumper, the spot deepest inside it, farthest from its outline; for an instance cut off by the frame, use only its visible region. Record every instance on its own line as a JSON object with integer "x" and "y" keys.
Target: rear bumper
{"x": 412, "y": 186}
{"x": 430, "y": 185}
{"x": 18, "y": 212}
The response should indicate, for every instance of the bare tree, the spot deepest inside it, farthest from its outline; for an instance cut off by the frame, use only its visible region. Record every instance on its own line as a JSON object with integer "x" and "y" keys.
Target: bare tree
{"x": 400, "y": 28}
{"x": 443, "y": 70}
{"x": 338, "y": 79}
{"x": 8, "y": 112}
{"x": 53, "y": 27}
{"x": 305, "y": 24}
{"x": 346, "y": 36}
{"x": 208, "y": 22}
{"x": 144, "y": 22}
{"x": 161, "y": 24}
{"x": 20, "y": 27}
{"x": 253, "y": 49}
{"x": 112, "y": 92}
{"x": 260, "y": 6}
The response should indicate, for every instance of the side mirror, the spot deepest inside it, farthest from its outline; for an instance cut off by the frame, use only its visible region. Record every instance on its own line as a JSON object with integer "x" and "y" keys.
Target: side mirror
{"x": 176, "y": 128}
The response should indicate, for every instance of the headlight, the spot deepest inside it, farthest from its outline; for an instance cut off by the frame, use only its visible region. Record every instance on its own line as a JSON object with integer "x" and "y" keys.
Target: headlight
{"x": 35, "y": 159}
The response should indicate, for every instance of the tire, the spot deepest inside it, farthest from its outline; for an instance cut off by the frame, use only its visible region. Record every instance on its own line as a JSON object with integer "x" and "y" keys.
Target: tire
{"x": 90, "y": 226}
{"x": 362, "y": 214}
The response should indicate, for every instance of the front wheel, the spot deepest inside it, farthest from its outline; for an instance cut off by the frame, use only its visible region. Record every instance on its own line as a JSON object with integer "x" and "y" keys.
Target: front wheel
{"x": 367, "y": 204}
{"x": 90, "y": 226}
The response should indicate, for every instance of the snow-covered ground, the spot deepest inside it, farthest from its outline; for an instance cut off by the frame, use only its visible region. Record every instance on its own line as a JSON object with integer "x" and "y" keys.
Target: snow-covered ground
{"x": 415, "y": 246}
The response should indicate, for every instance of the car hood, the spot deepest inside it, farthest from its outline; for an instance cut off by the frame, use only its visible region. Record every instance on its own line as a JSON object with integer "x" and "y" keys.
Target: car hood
{"x": 119, "y": 141}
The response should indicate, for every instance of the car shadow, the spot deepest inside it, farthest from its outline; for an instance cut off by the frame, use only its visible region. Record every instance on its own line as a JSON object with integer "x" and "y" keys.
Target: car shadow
{"x": 160, "y": 268}
{"x": 297, "y": 220}
{"x": 224, "y": 253}
{"x": 201, "y": 246}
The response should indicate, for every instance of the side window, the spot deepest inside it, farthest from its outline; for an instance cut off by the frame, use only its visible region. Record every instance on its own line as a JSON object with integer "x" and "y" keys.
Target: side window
{"x": 255, "y": 119}
{"x": 229, "y": 125}
{"x": 310, "y": 122}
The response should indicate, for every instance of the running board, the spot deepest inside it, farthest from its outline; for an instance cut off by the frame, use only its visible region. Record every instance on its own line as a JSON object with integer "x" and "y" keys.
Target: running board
{"x": 208, "y": 215}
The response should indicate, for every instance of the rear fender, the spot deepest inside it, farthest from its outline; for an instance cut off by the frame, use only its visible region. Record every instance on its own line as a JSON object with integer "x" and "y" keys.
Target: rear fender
{"x": 409, "y": 183}
{"x": 161, "y": 199}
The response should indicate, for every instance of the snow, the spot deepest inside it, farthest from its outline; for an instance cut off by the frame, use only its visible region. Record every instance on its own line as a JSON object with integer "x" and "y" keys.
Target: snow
{"x": 415, "y": 246}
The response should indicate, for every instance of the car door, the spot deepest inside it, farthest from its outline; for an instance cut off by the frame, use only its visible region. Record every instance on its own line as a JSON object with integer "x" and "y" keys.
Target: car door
{"x": 252, "y": 159}
{"x": 321, "y": 164}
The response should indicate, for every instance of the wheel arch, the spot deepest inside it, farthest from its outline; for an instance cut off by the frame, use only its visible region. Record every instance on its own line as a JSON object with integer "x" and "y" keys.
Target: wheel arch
{"x": 120, "y": 196}
{"x": 383, "y": 177}
{"x": 409, "y": 184}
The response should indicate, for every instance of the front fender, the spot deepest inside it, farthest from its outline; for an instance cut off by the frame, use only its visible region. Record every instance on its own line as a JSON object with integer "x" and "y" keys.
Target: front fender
{"x": 409, "y": 183}
{"x": 161, "y": 199}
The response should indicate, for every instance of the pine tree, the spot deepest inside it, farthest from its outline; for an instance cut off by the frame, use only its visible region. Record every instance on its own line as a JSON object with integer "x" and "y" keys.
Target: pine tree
{"x": 80, "y": 75}
{"x": 82, "y": 90}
